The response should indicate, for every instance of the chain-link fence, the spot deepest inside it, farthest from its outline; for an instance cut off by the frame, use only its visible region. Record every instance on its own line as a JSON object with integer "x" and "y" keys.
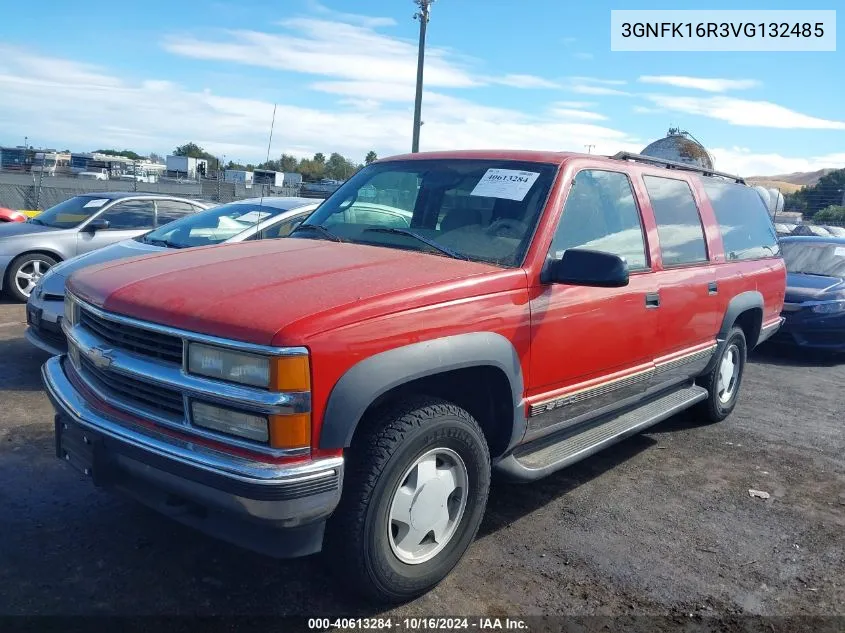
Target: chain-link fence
{"x": 36, "y": 192}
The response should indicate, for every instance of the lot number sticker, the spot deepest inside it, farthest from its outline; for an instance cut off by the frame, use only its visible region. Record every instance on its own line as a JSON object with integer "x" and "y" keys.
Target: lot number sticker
{"x": 95, "y": 204}
{"x": 510, "y": 184}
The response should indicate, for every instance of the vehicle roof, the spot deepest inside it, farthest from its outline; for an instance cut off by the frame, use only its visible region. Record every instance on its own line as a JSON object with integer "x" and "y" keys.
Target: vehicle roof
{"x": 278, "y": 202}
{"x": 539, "y": 156}
{"x": 116, "y": 195}
{"x": 814, "y": 239}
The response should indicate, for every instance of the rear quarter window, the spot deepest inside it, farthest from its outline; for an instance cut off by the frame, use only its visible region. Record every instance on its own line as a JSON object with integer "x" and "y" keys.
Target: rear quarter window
{"x": 747, "y": 231}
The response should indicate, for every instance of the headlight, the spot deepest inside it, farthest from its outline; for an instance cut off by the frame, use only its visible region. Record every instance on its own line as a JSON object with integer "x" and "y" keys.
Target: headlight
{"x": 829, "y": 307}
{"x": 71, "y": 310}
{"x": 223, "y": 364}
{"x": 248, "y": 425}
{"x": 283, "y": 373}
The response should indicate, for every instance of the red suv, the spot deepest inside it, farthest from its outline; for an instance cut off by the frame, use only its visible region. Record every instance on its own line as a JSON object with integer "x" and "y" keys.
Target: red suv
{"x": 441, "y": 316}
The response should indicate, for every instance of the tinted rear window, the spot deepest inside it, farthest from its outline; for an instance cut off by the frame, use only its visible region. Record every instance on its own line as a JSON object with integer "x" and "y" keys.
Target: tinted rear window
{"x": 678, "y": 222}
{"x": 747, "y": 231}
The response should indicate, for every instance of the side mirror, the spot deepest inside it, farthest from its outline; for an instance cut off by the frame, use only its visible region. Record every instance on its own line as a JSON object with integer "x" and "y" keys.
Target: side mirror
{"x": 582, "y": 267}
{"x": 98, "y": 224}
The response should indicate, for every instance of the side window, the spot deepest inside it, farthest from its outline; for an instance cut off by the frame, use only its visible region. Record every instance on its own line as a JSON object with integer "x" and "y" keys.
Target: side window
{"x": 282, "y": 229}
{"x": 132, "y": 214}
{"x": 601, "y": 214}
{"x": 747, "y": 231}
{"x": 678, "y": 222}
{"x": 169, "y": 210}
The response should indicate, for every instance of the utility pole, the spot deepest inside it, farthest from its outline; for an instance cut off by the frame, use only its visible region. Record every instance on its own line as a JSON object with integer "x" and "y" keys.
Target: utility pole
{"x": 422, "y": 16}
{"x": 589, "y": 148}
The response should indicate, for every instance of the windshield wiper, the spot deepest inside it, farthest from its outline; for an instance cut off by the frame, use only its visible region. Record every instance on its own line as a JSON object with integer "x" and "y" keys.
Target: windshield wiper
{"x": 318, "y": 228}
{"x": 165, "y": 243}
{"x": 439, "y": 247}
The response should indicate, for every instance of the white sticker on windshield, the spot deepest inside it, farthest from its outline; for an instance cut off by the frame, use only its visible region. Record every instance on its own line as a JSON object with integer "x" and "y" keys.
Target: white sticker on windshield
{"x": 839, "y": 251}
{"x": 510, "y": 184}
{"x": 253, "y": 216}
{"x": 95, "y": 204}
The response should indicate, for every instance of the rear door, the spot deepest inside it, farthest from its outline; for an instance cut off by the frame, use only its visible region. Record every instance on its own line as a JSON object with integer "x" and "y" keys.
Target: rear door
{"x": 690, "y": 303}
{"x": 592, "y": 348}
{"x": 127, "y": 219}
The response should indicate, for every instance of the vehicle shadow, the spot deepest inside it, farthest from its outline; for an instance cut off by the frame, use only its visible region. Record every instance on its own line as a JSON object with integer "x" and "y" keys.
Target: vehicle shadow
{"x": 20, "y": 365}
{"x": 787, "y": 356}
{"x": 511, "y": 501}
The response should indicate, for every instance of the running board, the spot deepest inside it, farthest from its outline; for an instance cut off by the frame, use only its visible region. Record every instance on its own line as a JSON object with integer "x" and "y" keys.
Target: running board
{"x": 544, "y": 456}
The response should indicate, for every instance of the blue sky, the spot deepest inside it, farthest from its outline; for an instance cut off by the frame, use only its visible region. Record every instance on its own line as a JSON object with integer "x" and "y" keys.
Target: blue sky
{"x": 529, "y": 74}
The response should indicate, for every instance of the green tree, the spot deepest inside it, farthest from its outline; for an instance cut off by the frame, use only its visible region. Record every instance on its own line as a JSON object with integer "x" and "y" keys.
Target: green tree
{"x": 288, "y": 163}
{"x": 320, "y": 158}
{"x": 126, "y": 153}
{"x": 192, "y": 150}
{"x": 311, "y": 169}
{"x": 339, "y": 168}
{"x": 371, "y": 157}
{"x": 832, "y": 213}
{"x": 826, "y": 192}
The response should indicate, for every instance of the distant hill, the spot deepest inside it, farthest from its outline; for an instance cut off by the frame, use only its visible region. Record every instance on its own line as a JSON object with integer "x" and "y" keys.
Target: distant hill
{"x": 789, "y": 183}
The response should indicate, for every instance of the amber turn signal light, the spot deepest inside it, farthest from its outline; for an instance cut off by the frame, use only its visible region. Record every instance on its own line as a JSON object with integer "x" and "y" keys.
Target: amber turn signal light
{"x": 290, "y": 373}
{"x": 290, "y": 431}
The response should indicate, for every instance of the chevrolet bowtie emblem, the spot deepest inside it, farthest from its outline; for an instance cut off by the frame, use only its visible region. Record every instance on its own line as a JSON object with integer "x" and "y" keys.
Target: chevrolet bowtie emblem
{"x": 100, "y": 358}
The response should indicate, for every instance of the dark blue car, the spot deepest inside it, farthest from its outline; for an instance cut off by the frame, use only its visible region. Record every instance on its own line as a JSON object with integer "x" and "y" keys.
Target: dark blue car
{"x": 814, "y": 306}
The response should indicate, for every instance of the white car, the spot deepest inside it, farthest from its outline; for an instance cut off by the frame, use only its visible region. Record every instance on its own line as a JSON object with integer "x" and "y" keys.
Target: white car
{"x": 96, "y": 174}
{"x": 255, "y": 218}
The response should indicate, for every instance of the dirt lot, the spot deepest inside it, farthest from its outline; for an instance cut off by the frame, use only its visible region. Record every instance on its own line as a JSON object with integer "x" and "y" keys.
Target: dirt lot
{"x": 661, "y": 524}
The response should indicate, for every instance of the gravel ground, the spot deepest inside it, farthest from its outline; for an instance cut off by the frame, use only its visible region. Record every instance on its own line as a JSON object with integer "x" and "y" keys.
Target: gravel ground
{"x": 660, "y": 524}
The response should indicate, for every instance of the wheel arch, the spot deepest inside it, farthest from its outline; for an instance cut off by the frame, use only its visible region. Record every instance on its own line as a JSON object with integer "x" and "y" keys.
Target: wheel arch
{"x": 746, "y": 311}
{"x": 479, "y": 371}
{"x": 35, "y": 251}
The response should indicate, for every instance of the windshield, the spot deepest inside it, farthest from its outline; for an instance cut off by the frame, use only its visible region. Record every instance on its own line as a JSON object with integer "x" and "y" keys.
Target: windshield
{"x": 210, "y": 227}
{"x": 481, "y": 210}
{"x": 826, "y": 259}
{"x": 72, "y": 212}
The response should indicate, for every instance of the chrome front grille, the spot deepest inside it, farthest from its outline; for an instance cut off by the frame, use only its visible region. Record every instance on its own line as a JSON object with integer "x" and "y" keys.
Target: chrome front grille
{"x": 153, "y": 399}
{"x": 134, "y": 339}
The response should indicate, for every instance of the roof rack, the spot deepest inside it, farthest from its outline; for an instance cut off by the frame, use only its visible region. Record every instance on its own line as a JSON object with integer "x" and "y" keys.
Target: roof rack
{"x": 671, "y": 164}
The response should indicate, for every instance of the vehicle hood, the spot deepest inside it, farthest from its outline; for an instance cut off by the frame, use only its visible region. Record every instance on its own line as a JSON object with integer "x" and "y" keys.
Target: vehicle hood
{"x": 274, "y": 292}
{"x": 53, "y": 282}
{"x": 13, "y": 229}
{"x": 801, "y": 287}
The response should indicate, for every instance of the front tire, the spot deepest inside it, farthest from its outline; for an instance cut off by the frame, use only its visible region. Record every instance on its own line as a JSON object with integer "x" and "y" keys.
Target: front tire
{"x": 416, "y": 487}
{"x": 724, "y": 380}
{"x": 24, "y": 272}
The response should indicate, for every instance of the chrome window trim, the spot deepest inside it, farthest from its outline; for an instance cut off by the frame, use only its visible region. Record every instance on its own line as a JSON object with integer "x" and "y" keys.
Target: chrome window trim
{"x": 234, "y": 466}
{"x": 191, "y": 336}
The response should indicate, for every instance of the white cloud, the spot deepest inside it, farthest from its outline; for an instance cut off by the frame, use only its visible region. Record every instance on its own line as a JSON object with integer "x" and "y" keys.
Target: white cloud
{"x": 524, "y": 81}
{"x": 355, "y": 18}
{"x": 742, "y": 161}
{"x": 569, "y": 113}
{"x": 86, "y": 106}
{"x": 700, "y": 83}
{"x": 744, "y": 112}
{"x": 587, "y": 89}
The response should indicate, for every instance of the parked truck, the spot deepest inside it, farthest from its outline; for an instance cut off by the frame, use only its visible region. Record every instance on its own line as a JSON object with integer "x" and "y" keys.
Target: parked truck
{"x": 352, "y": 387}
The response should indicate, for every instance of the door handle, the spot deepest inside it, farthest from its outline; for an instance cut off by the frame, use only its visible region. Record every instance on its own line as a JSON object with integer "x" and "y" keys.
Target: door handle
{"x": 712, "y": 288}
{"x": 652, "y": 300}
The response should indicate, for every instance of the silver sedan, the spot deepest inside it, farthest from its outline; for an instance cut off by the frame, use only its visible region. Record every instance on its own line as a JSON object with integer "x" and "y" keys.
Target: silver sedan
{"x": 78, "y": 225}
{"x": 257, "y": 218}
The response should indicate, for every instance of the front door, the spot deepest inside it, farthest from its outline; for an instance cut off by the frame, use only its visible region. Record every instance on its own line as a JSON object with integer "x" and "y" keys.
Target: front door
{"x": 126, "y": 219}
{"x": 592, "y": 348}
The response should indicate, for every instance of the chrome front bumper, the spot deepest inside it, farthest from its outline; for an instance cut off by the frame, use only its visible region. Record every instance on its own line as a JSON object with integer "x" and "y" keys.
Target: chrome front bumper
{"x": 271, "y": 508}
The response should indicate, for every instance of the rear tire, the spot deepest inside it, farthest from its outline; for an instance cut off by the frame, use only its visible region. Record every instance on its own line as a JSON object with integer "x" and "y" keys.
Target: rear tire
{"x": 724, "y": 380}
{"x": 432, "y": 456}
{"x": 24, "y": 272}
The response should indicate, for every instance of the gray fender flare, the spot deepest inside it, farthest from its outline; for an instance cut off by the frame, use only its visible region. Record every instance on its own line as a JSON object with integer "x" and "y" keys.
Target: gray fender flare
{"x": 378, "y": 374}
{"x": 742, "y": 302}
